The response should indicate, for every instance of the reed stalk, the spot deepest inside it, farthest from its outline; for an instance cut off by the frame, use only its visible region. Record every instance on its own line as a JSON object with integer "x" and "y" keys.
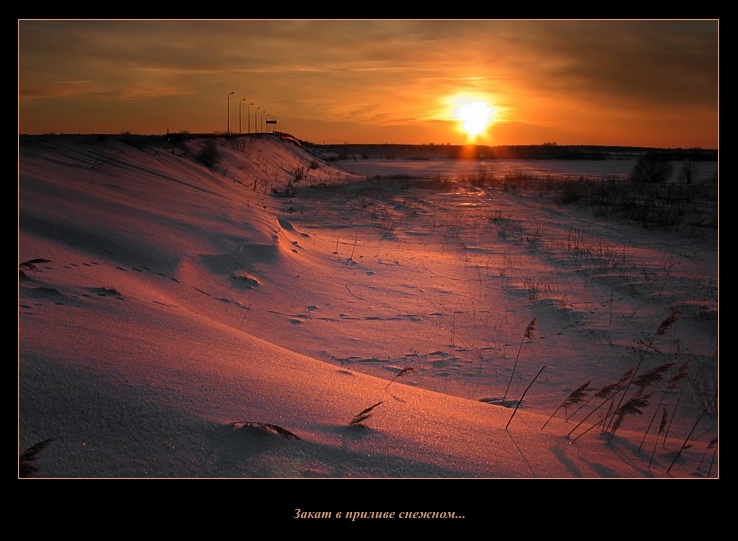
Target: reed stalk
{"x": 523, "y": 396}
{"x": 528, "y": 334}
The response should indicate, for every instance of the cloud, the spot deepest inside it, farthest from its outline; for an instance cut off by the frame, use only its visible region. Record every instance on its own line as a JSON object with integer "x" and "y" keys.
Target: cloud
{"x": 376, "y": 70}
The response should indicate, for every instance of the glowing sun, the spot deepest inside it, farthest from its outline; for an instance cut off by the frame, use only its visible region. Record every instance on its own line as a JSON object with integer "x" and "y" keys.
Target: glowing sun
{"x": 475, "y": 116}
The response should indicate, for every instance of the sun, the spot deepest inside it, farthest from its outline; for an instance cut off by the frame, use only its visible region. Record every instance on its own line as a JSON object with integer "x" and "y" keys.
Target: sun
{"x": 475, "y": 116}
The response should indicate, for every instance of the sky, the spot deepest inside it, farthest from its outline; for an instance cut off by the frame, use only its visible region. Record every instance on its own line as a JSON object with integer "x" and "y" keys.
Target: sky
{"x": 602, "y": 82}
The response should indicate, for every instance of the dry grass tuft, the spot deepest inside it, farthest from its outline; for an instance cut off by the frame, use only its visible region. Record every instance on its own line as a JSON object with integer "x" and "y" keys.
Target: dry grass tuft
{"x": 26, "y": 462}
{"x": 681, "y": 374}
{"x": 363, "y": 415}
{"x": 527, "y": 335}
{"x": 647, "y": 377}
{"x": 576, "y": 396}
{"x": 523, "y": 396}
{"x": 662, "y": 427}
{"x": 608, "y": 390}
{"x": 400, "y": 373}
{"x": 686, "y": 440}
{"x": 633, "y": 406}
{"x": 605, "y": 394}
{"x": 712, "y": 445}
{"x": 668, "y": 322}
{"x": 530, "y": 328}
{"x": 266, "y": 427}
{"x": 652, "y": 376}
{"x": 31, "y": 264}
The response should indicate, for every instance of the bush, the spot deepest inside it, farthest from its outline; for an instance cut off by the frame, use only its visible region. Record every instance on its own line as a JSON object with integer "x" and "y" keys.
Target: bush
{"x": 571, "y": 192}
{"x": 208, "y": 155}
{"x": 651, "y": 168}
{"x": 688, "y": 172}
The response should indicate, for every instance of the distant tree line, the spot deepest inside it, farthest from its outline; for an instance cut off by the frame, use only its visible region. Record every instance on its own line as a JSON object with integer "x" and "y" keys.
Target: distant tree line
{"x": 545, "y": 151}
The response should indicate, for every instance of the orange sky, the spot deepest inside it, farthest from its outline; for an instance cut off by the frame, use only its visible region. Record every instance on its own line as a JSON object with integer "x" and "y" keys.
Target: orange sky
{"x": 636, "y": 83}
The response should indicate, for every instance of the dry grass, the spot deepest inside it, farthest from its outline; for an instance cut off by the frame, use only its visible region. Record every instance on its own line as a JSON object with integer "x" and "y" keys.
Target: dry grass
{"x": 647, "y": 346}
{"x": 606, "y": 394}
{"x": 633, "y": 406}
{"x": 31, "y": 264}
{"x": 265, "y": 427}
{"x": 363, "y": 416}
{"x": 527, "y": 335}
{"x": 399, "y": 374}
{"x": 686, "y": 440}
{"x": 26, "y": 462}
{"x": 523, "y": 396}
{"x": 575, "y": 397}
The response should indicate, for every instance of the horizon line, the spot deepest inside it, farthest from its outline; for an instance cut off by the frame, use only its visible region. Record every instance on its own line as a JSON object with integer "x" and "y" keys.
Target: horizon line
{"x": 278, "y": 134}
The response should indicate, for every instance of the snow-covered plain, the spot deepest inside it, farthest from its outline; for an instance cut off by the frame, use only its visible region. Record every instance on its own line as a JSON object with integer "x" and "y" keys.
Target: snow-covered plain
{"x": 180, "y": 321}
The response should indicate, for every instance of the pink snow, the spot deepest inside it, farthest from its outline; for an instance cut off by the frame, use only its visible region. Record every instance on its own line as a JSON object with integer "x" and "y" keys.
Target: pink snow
{"x": 178, "y": 314}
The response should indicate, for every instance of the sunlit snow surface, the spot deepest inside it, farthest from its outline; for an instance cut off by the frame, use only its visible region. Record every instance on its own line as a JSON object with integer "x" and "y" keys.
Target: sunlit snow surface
{"x": 179, "y": 312}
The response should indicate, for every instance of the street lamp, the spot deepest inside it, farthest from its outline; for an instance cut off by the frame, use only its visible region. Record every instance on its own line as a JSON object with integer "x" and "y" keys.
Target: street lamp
{"x": 261, "y": 120}
{"x": 255, "y": 119}
{"x": 229, "y": 112}
{"x": 240, "y": 131}
{"x": 248, "y": 116}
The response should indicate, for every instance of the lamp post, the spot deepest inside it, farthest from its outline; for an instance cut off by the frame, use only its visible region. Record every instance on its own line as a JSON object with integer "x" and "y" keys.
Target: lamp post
{"x": 255, "y": 119}
{"x": 261, "y": 120}
{"x": 248, "y": 116}
{"x": 229, "y": 112}
{"x": 240, "y": 131}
